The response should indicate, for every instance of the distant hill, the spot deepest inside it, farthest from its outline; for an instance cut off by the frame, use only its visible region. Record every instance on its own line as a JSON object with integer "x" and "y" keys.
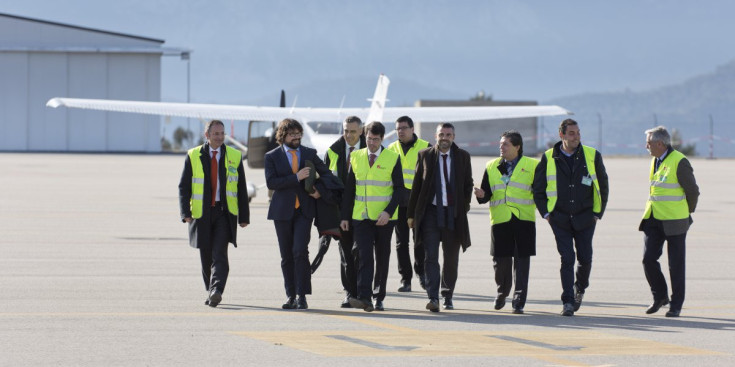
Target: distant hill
{"x": 685, "y": 106}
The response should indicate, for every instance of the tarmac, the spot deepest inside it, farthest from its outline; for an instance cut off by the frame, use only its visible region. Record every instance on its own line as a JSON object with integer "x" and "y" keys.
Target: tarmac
{"x": 96, "y": 270}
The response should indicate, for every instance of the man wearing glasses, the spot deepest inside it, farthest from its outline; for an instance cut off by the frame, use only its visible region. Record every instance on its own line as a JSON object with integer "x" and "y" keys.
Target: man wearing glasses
{"x": 407, "y": 146}
{"x": 292, "y": 209}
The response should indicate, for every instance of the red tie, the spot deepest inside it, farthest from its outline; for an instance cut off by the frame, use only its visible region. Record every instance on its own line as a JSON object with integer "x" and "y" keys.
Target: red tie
{"x": 295, "y": 168}
{"x": 214, "y": 177}
{"x": 372, "y": 159}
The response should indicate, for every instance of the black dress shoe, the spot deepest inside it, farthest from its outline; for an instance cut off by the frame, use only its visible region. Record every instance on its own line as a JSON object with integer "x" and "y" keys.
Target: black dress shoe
{"x": 215, "y": 297}
{"x": 518, "y": 310}
{"x": 499, "y": 302}
{"x": 346, "y": 303}
{"x": 379, "y": 305}
{"x": 568, "y": 309}
{"x": 290, "y": 303}
{"x": 405, "y": 287}
{"x": 301, "y": 303}
{"x": 364, "y": 303}
{"x": 433, "y": 305}
{"x": 656, "y": 305}
{"x": 673, "y": 312}
{"x": 578, "y": 295}
{"x": 448, "y": 305}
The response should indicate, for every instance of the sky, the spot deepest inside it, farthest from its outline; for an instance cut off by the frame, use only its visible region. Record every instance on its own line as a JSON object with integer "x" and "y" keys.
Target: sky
{"x": 246, "y": 51}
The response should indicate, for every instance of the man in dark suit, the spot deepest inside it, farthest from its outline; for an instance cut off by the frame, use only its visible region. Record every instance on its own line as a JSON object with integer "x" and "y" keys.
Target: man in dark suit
{"x": 373, "y": 190}
{"x": 437, "y": 209}
{"x": 213, "y": 199}
{"x": 292, "y": 209}
{"x": 570, "y": 189}
{"x": 338, "y": 161}
{"x": 673, "y": 195}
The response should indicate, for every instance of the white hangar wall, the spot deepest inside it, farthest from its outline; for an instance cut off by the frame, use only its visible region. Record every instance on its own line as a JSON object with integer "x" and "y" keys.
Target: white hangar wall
{"x": 40, "y": 60}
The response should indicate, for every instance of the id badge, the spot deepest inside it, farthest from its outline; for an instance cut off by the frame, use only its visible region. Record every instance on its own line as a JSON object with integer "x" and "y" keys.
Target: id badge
{"x": 505, "y": 179}
{"x": 587, "y": 180}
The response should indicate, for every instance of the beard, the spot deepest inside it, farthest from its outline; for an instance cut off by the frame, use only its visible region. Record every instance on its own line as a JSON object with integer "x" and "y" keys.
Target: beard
{"x": 444, "y": 144}
{"x": 294, "y": 144}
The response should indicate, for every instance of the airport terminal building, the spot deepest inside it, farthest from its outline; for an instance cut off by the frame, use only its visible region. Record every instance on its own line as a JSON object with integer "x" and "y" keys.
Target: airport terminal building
{"x": 41, "y": 59}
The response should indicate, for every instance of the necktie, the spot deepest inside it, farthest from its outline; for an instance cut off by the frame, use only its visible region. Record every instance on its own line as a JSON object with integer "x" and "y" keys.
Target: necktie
{"x": 214, "y": 176}
{"x": 295, "y": 168}
{"x": 372, "y": 159}
{"x": 446, "y": 180}
{"x": 349, "y": 163}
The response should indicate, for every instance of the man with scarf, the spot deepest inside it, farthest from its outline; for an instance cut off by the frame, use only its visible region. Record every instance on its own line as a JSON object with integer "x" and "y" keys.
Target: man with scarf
{"x": 437, "y": 210}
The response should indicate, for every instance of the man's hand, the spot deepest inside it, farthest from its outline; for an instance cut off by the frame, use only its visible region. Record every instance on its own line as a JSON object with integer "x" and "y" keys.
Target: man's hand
{"x": 409, "y": 221}
{"x": 244, "y": 224}
{"x": 188, "y": 219}
{"x": 383, "y": 219}
{"x": 344, "y": 225}
{"x": 303, "y": 173}
{"x": 480, "y": 193}
{"x": 315, "y": 194}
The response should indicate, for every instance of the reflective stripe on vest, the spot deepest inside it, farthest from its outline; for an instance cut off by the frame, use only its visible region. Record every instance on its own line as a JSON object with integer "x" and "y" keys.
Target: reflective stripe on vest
{"x": 373, "y": 185}
{"x": 515, "y": 198}
{"x": 409, "y": 160}
{"x": 233, "y": 159}
{"x": 667, "y": 199}
{"x": 551, "y": 189}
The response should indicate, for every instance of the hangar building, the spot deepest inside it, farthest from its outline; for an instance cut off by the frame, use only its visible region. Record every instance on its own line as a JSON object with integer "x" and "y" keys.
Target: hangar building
{"x": 41, "y": 59}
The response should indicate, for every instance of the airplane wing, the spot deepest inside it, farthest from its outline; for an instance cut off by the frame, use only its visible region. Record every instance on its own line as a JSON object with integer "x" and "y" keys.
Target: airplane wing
{"x": 304, "y": 114}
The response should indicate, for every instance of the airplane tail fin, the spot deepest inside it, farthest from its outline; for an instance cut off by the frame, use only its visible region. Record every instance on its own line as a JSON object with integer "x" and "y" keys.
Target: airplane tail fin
{"x": 283, "y": 99}
{"x": 378, "y": 100}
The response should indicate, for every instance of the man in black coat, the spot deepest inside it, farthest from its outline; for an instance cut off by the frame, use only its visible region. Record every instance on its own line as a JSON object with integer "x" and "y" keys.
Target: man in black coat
{"x": 338, "y": 161}
{"x": 213, "y": 214}
{"x": 437, "y": 209}
{"x": 292, "y": 209}
{"x": 570, "y": 190}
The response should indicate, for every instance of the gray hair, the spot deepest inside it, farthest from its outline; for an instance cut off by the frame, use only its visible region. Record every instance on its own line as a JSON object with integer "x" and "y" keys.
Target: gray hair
{"x": 659, "y": 133}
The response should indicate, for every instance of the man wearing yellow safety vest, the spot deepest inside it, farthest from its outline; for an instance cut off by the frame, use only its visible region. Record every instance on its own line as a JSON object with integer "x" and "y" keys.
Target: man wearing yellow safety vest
{"x": 213, "y": 199}
{"x": 506, "y": 184}
{"x": 407, "y": 146}
{"x": 570, "y": 189}
{"x": 338, "y": 161}
{"x": 437, "y": 210}
{"x": 373, "y": 190}
{"x": 673, "y": 194}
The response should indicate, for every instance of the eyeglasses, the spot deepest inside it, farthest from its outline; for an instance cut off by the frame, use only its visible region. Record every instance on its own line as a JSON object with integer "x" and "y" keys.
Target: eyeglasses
{"x": 401, "y": 128}
{"x": 295, "y": 135}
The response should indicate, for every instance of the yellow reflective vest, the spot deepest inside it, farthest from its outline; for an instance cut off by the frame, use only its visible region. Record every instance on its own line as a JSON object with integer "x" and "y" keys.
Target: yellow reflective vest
{"x": 409, "y": 160}
{"x": 551, "y": 193}
{"x": 514, "y": 196}
{"x": 373, "y": 185}
{"x": 666, "y": 199}
{"x": 233, "y": 159}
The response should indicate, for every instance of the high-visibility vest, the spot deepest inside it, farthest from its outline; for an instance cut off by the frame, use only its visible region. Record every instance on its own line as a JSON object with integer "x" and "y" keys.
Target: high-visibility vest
{"x": 667, "y": 198}
{"x": 333, "y": 158}
{"x": 233, "y": 159}
{"x": 515, "y": 197}
{"x": 374, "y": 185}
{"x": 409, "y": 160}
{"x": 551, "y": 192}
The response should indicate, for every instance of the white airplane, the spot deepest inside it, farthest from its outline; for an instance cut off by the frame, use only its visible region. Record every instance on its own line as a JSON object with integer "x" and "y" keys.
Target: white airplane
{"x": 322, "y": 126}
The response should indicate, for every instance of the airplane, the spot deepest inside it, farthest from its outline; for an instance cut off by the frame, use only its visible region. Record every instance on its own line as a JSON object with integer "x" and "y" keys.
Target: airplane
{"x": 322, "y": 126}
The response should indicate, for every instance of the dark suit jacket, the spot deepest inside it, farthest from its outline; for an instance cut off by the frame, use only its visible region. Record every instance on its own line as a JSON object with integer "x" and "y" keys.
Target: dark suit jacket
{"x": 199, "y": 229}
{"x": 424, "y": 190}
{"x": 280, "y": 178}
{"x": 685, "y": 176}
{"x": 574, "y": 202}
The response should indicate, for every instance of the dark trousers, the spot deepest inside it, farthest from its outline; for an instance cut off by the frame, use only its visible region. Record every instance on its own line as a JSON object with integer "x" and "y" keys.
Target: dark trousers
{"x": 403, "y": 253}
{"x": 348, "y": 265}
{"x": 372, "y": 239}
{"x": 213, "y": 255}
{"x": 566, "y": 241}
{"x": 507, "y": 269}
{"x": 431, "y": 235}
{"x": 654, "y": 238}
{"x": 293, "y": 242}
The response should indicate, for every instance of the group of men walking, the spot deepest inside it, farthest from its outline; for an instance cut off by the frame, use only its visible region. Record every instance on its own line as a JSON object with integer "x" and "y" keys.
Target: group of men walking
{"x": 365, "y": 191}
